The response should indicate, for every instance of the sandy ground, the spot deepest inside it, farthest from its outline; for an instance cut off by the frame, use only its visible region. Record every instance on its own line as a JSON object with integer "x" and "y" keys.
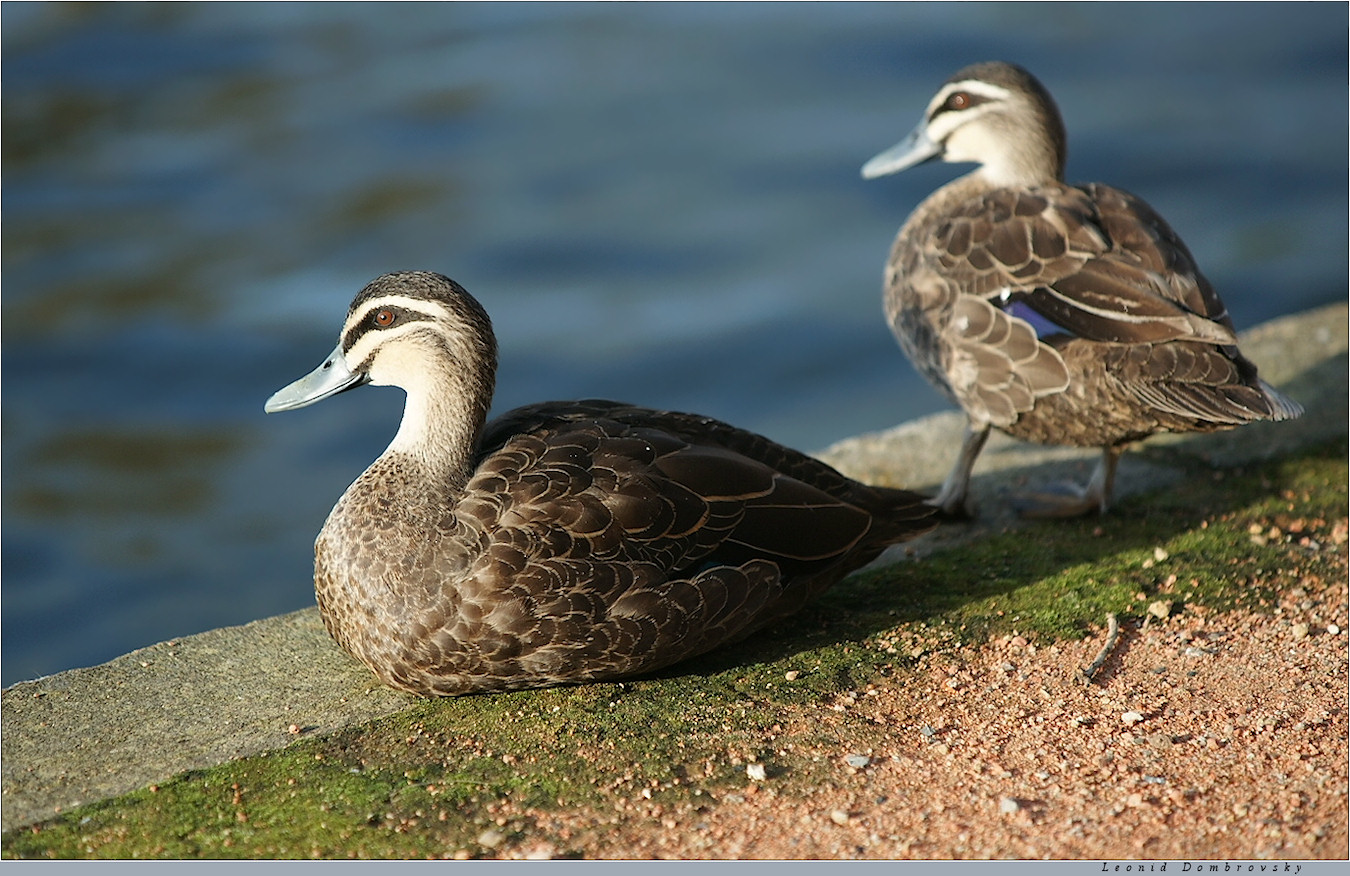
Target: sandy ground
{"x": 1203, "y": 735}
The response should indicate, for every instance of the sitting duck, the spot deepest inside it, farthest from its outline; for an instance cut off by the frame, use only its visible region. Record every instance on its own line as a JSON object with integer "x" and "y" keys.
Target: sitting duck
{"x": 563, "y": 542}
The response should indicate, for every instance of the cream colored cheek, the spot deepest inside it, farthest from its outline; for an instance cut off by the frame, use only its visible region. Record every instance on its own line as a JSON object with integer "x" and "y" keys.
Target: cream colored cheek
{"x": 970, "y": 144}
{"x": 395, "y": 365}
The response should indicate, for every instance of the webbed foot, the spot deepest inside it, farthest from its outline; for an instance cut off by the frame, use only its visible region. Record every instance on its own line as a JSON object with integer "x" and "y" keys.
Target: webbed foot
{"x": 1058, "y": 502}
{"x": 1069, "y": 500}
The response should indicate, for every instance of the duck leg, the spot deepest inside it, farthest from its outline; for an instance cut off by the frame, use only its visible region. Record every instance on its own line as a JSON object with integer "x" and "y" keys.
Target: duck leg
{"x": 1077, "y": 501}
{"x": 953, "y": 500}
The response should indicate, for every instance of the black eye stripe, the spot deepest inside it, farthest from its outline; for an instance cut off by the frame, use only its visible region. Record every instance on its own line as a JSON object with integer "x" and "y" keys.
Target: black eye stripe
{"x": 368, "y": 322}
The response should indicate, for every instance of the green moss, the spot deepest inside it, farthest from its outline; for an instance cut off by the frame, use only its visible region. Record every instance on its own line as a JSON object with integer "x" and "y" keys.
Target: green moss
{"x": 478, "y": 775}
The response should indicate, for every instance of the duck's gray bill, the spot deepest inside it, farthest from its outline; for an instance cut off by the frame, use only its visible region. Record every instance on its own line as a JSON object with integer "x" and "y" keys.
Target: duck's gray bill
{"x": 914, "y": 149}
{"x": 330, "y": 378}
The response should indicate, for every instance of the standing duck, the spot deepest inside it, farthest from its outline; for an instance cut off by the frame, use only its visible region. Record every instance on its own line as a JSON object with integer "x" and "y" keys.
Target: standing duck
{"x": 1059, "y": 314}
{"x": 564, "y": 541}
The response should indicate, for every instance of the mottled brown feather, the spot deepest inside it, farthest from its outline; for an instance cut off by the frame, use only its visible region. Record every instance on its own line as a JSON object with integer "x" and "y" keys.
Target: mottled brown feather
{"x": 577, "y": 540}
{"x": 1130, "y": 337}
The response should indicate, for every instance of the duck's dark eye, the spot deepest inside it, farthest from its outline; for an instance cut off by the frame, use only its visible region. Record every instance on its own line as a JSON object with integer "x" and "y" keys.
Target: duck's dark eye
{"x": 385, "y": 317}
{"x": 958, "y": 101}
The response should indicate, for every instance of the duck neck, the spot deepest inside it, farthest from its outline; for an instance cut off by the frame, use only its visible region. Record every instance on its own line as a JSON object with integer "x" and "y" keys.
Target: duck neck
{"x": 1025, "y": 158}
{"x": 442, "y": 417}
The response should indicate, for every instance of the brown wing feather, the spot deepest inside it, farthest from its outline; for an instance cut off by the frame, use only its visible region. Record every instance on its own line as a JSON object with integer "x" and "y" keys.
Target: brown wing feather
{"x": 615, "y": 540}
{"x": 1095, "y": 265}
{"x": 1199, "y": 383}
{"x": 1096, "y": 260}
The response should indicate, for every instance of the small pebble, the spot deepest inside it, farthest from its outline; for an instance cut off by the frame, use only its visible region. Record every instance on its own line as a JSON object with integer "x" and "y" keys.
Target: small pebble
{"x": 1007, "y": 805}
{"x": 755, "y": 771}
{"x": 839, "y": 816}
{"x": 791, "y": 675}
{"x": 491, "y": 838}
{"x": 1334, "y": 629}
{"x": 1300, "y": 631}
{"x": 1131, "y": 718}
{"x": 858, "y": 761}
{"x": 1160, "y": 609}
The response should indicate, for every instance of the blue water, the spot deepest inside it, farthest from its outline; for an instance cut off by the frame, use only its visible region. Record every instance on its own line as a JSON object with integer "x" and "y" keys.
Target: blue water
{"x": 656, "y": 203}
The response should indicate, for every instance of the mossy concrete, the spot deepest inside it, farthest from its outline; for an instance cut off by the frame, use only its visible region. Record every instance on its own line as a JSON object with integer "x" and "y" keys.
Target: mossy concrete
{"x": 583, "y": 772}
{"x": 88, "y": 734}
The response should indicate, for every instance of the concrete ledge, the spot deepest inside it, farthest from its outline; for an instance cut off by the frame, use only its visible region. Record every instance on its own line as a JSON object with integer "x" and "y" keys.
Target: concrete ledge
{"x": 87, "y": 734}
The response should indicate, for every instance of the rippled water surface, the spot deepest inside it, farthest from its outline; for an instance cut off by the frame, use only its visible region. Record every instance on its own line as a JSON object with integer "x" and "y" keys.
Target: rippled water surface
{"x": 656, "y": 203}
